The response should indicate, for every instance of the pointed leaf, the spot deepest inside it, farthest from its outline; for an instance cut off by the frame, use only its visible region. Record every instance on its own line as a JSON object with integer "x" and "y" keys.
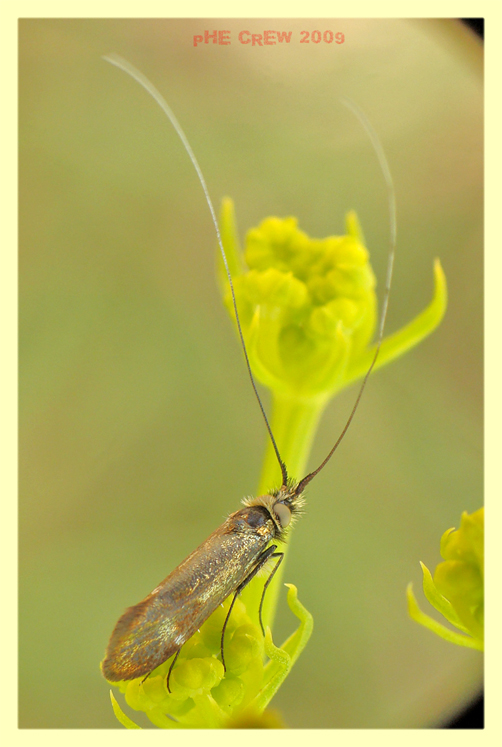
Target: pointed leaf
{"x": 120, "y": 715}
{"x": 420, "y": 617}
{"x": 299, "y": 639}
{"x": 438, "y": 601}
{"x": 409, "y": 335}
{"x": 282, "y": 659}
{"x": 353, "y": 227}
{"x": 275, "y": 672}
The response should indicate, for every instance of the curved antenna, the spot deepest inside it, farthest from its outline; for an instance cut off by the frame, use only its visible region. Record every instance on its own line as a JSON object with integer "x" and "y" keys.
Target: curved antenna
{"x": 122, "y": 64}
{"x": 377, "y": 147}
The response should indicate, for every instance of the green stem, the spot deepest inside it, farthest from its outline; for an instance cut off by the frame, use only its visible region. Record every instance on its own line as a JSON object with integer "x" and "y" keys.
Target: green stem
{"x": 294, "y": 422}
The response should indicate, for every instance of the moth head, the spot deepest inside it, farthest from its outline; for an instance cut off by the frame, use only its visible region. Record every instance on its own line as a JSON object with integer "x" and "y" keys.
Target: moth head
{"x": 283, "y": 505}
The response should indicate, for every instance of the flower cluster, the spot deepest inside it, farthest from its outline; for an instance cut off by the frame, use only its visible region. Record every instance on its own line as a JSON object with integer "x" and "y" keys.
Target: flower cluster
{"x": 308, "y": 308}
{"x": 457, "y": 589}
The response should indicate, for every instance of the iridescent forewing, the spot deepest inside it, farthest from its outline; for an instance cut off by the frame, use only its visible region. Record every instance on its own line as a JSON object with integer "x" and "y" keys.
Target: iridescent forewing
{"x": 150, "y": 632}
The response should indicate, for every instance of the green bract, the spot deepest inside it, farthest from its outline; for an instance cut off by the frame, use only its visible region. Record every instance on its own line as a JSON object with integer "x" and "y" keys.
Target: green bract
{"x": 457, "y": 589}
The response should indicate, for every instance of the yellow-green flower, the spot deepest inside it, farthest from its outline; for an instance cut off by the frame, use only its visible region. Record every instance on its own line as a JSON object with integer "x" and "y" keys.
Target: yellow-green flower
{"x": 308, "y": 307}
{"x": 457, "y": 589}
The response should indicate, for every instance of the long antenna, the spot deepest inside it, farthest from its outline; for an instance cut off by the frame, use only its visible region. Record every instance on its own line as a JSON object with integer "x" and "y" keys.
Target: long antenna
{"x": 379, "y": 151}
{"x": 122, "y": 64}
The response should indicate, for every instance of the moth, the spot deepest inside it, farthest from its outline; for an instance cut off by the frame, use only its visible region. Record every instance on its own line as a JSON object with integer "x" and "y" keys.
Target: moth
{"x": 156, "y": 628}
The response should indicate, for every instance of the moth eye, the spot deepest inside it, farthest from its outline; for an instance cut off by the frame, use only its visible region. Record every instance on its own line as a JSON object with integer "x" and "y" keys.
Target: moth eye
{"x": 283, "y": 513}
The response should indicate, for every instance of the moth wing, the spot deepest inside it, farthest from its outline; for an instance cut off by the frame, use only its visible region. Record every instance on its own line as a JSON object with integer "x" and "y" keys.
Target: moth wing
{"x": 151, "y": 631}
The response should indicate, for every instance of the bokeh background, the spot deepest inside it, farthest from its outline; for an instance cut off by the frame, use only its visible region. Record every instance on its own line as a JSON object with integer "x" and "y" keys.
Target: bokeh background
{"x": 138, "y": 427}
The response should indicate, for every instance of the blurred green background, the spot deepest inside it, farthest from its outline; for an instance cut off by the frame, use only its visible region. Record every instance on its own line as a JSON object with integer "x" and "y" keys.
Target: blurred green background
{"x": 139, "y": 431}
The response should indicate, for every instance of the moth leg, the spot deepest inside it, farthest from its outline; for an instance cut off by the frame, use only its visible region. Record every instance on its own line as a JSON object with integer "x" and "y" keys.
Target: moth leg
{"x": 224, "y": 628}
{"x": 279, "y": 555}
{"x": 262, "y": 559}
{"x": 171, "y": 668}
{"x": 168, "y": 674}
